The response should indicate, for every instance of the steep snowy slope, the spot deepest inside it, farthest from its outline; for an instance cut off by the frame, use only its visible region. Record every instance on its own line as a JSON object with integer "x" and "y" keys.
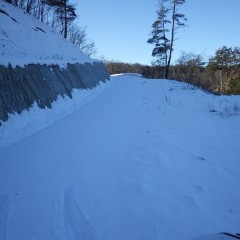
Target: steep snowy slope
{"x": 24, "y": 39}
{"x": 147, "y": 159}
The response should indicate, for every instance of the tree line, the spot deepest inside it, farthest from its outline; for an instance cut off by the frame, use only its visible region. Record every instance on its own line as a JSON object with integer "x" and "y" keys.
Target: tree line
{"x": 220, "y": 74}
{"x": 61, "y": 15}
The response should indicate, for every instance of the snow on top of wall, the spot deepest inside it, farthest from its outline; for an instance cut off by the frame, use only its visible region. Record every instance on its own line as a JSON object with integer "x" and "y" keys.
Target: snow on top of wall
{"x": 25, "y": 40}
{"x": 127, "y": 74}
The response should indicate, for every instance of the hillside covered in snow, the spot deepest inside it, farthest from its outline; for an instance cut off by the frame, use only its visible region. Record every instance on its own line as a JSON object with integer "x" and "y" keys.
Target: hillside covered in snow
{"x": 31, "y": 41}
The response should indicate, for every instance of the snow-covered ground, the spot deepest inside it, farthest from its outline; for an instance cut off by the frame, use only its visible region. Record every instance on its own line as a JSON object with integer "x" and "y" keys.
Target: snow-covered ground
{"x": 146, "y": 159}
{"x": 25, "y": 40}
{"x": 130, "y": 159}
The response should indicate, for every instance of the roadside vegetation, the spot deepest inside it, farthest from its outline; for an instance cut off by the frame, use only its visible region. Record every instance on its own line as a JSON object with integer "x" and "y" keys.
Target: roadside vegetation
{"x": 220, "y": 74}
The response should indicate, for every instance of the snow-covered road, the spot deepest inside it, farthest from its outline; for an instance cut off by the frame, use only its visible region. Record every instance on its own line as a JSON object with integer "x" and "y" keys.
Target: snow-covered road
{"x": 144, "y": 160}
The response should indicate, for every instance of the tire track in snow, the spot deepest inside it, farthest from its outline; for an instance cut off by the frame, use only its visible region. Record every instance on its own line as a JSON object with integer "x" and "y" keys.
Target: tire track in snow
{"x": 70, "y": 221}
{"x": 5, "y": 203}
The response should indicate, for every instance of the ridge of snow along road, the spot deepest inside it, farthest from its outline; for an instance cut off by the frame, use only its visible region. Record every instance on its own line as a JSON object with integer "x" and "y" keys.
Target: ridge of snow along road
{"x": 127, "y": 74}
{"x": 147, "y": 159}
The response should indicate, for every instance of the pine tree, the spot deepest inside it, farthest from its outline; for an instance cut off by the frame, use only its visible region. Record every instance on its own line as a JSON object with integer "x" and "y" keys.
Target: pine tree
{"x": 234, "y": 85}
{"x": 66, "y": 13}
{"x": 224, "y": 62}
{"x": 160, "y": 28}
{"x": 178, "y": 21}
{"x": 159, "y": 31}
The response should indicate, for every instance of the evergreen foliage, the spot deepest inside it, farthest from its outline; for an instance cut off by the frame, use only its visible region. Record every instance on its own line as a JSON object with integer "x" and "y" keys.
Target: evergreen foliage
{"x": 158, "y": 35}
{"x": 234, "y": 85}
{"x": 225, "y": 58}
{"x": 65, "y": 12}
{"x": 164, "y": 30}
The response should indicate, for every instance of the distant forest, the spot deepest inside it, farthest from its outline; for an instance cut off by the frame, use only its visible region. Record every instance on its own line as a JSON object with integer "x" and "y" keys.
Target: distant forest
{"x": 219, "y": 75}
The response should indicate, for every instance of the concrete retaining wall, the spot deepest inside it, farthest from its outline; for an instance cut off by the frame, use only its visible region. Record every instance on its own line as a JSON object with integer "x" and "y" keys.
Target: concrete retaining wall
{"x": 21, "y": 86}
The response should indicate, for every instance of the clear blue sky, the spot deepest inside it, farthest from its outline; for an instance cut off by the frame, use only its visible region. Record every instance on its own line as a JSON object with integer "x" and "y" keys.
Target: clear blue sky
{"x": 120, "y": 29}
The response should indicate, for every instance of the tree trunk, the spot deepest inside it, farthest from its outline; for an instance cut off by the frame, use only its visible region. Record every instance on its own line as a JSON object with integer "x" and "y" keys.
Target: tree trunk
{"x": 166, "y": 55}
{"x": 165, "y": 42}
{"x": 221, "y": 81}
{"x": 41, "y": 10}
{"x": 29, "y": 6}
{"x": 65, "y": 19}
{"x": 172, "y": 39}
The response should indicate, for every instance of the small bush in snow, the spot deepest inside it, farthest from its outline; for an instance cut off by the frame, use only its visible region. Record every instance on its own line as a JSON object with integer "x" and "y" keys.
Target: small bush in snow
{"x": 229, "y": 110}
{"x": 211, "y": 108}
{"x": 225, "y": 109}
{"x": 236, "y": 108}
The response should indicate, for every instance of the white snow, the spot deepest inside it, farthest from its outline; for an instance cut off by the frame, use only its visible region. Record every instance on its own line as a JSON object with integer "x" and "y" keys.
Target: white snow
{"x": 130, "y": 159}
{"x": 146, "y": 159}
{"x": 25, "y": 40}
{"x": 127, "y": 74}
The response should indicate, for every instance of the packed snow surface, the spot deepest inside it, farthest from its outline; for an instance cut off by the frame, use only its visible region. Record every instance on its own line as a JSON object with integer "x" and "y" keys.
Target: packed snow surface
{"x": 146, "y": 159}
{"x": 25, "y": 40}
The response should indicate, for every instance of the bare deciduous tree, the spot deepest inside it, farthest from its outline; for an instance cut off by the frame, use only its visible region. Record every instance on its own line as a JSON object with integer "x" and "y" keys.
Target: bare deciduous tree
{"x": 78, "y": 36}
